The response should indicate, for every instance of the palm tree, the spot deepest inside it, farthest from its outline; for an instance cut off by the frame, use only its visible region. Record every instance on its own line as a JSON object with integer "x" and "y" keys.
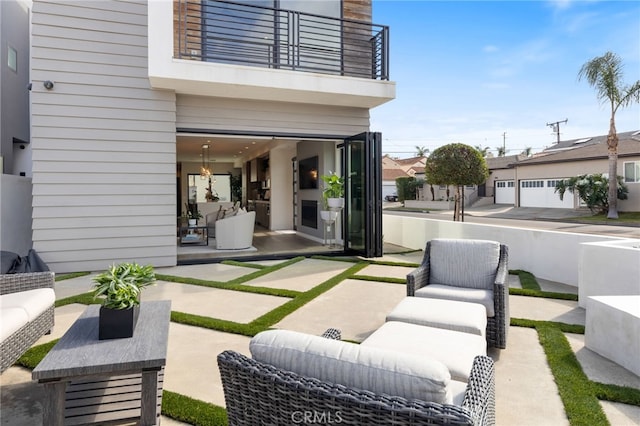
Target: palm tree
{"x": 501, "y": 151}
{"x": 604, "y": 73}
{"x": 526, "y": 151}
{"x": 421, "y": 151}
{"x": 484, "y": 151}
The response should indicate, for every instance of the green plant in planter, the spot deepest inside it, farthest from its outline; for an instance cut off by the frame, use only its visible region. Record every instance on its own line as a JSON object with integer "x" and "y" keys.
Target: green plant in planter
{"x": 122, "y": 284}
{"x": 333, "y": 187}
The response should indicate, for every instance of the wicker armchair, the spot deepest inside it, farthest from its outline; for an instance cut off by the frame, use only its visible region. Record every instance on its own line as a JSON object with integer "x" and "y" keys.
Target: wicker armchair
{"x": 498, "y": 323}
{"x": 257, "y": 393}
{"x": 17, "y": 343}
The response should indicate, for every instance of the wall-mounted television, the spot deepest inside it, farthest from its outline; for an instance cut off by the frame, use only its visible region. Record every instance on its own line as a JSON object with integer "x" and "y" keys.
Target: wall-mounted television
{"x": 308, "y": 173}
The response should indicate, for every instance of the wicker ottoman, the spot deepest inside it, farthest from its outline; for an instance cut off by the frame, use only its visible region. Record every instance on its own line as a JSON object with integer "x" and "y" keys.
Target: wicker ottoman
{"x": 441, "y": 313}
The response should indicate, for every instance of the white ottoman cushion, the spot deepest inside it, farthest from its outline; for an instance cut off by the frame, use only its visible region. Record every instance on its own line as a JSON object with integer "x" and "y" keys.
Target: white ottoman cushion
{"x": 461, "y": 294}
{"x": 368, "y": 368}
{"x": 454, "y": 349}
{"x": 34, "y": 302}
{"x": 11, "y": 319}
{"x": 440, "y": 313}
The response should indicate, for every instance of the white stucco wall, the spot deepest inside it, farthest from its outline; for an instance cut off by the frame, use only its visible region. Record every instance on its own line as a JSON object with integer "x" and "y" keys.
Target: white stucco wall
{"x": 549, "y": 255}
{"x": 609, "y": 268}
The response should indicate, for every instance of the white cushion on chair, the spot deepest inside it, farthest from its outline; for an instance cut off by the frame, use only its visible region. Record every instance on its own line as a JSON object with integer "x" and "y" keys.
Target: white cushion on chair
{"x": 461, "y": 294}
{"x": 464, "y": 263}
{"x": 377, "y": 370}
{"x": 11, "y": 319}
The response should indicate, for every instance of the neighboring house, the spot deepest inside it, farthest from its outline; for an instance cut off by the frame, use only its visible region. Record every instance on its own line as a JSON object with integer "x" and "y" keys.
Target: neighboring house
{"x": 530, "y": 181}
{"x": 139, "y": 88}
{"x": 393, "y": 168}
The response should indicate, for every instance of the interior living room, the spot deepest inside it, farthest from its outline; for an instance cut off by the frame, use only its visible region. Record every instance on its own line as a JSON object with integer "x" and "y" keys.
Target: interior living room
{"x": 253, "y": 196}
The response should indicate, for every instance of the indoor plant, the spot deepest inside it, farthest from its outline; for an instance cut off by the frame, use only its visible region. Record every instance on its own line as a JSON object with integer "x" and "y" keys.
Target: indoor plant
{"x": 192, "y": 215}
{"x": 121, "y": 286}
{"x": 333, "y": 192}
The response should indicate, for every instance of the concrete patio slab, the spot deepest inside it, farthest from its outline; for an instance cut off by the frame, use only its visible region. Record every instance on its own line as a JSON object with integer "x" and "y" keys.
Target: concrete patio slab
{"x": 301, "y": 276}
{"x": 356, "y": 307}
{"x": 541, "y": 309}
{"x": 213, "y": 302}
{"x": 74, "y": 286}
{"x": 192, "y": 367}
{"x": 526, "y": 394}
{"x": 209, "y": 271}
{"x": 65, "y": 316}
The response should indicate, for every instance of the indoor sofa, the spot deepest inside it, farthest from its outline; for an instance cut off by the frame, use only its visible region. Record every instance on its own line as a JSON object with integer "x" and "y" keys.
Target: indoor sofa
{"x": 26, "y": 312}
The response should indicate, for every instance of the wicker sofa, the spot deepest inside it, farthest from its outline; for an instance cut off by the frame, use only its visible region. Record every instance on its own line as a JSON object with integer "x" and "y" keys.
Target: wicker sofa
{"x": 295, "y": 378}
{"x": 26, "y": 312}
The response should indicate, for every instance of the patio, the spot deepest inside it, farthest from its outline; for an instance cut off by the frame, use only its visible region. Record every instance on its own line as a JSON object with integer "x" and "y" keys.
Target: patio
{"x": 526, "y": 393}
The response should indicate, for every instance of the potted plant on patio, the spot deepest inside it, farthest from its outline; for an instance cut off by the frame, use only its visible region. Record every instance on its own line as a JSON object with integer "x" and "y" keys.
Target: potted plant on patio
{"x": 333, "y": 192}
{"x": 121, "y": 286}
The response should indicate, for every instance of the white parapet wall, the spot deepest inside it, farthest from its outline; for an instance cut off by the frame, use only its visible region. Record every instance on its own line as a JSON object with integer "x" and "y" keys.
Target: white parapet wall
{"x": 610, "y": 268}
{"x": 550, "y": 255}
{"x": 612, "y": 329}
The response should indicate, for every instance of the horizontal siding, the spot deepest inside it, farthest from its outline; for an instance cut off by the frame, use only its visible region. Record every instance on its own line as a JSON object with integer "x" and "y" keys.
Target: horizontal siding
{"x": 197, "y": 112}
{"x": 103, "y": 141}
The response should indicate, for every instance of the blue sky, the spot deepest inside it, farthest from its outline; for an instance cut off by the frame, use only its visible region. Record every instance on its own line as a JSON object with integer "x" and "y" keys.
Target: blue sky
{"x": 469, "y": 71}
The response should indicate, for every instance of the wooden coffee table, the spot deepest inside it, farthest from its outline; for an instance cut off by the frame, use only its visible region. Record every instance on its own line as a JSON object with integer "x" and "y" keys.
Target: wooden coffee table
{"x": 87, "y": 380}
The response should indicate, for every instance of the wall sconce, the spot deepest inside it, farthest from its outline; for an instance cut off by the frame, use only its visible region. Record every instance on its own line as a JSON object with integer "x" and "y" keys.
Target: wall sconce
{"x": 48, "y": 84}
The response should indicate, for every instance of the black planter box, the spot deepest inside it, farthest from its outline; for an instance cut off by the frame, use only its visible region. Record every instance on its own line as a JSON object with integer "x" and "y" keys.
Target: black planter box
{"x": 117, "y": 323}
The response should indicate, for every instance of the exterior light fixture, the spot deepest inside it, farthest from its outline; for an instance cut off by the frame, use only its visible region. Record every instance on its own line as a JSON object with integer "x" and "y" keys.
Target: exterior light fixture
{"x": 48, "y": 84}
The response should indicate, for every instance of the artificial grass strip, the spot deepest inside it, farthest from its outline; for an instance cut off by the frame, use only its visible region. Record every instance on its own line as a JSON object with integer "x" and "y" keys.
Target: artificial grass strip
{"x": 349, "y": 259}
{"x": 192, "y": 411}
{"x": 243, "y": 264}
{"x": 390, "y": 280}
{"x": 390, "y": 263}
{"x": 543, "y": 294}
{"x": 34, "y": 355}
{"x": 616, "y": 393}
{"x": 216, "y": 324}
{"x": 68, "y": 276}
{"x": 527, "y": 280}
{"x": 576, "y": 390}
{"x": 230, "y": 286}
{"x": 564, "y": 327}
{"x": 84, "y": 299}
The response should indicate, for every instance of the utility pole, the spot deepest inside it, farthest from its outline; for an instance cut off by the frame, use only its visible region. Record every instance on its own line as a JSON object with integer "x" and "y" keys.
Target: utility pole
{"x": 555, "y": 126}
{"x": 504, "y": 144}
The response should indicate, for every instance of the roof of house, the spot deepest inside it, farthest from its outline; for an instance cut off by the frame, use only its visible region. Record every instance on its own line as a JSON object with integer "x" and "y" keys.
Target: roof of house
{"x": 628, "y": 146}
{"x": 494, "y": 163}
{"x": 593, "y": 140}
{"x": 393, "y": 174}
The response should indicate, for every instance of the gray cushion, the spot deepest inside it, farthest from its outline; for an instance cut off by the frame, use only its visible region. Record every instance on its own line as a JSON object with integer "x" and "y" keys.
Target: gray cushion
{"x": 461, "y": 294}
{"x": 464, "y": 263}
{"x": 456, "y": 350}
{"x": 377, "y": 370}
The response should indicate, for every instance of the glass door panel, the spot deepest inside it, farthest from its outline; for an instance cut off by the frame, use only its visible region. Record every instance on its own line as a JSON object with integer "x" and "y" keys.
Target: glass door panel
{"x": 363, "y": 194}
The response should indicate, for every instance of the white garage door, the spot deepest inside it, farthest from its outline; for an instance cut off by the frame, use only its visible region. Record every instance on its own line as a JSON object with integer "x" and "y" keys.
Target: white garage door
{"x": 505, "y": 192}
{"x": 541, "y": 193}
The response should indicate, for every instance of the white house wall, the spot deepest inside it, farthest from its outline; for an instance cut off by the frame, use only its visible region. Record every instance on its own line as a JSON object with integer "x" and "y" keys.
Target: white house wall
{"x": 198, "y": 112}
{"x": 103, "y": 141}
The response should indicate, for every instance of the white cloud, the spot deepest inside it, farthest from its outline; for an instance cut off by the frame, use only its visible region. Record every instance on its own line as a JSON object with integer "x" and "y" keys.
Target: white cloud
{"x": 490, "y": 48}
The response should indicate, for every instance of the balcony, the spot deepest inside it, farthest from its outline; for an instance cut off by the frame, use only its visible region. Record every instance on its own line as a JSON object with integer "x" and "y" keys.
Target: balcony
{"x": 267, "y": 54}
{"x": 242, "y": 34}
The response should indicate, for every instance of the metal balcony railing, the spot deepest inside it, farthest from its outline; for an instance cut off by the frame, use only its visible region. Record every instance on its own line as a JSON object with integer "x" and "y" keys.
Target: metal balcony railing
{"x": 235, "y": 33}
